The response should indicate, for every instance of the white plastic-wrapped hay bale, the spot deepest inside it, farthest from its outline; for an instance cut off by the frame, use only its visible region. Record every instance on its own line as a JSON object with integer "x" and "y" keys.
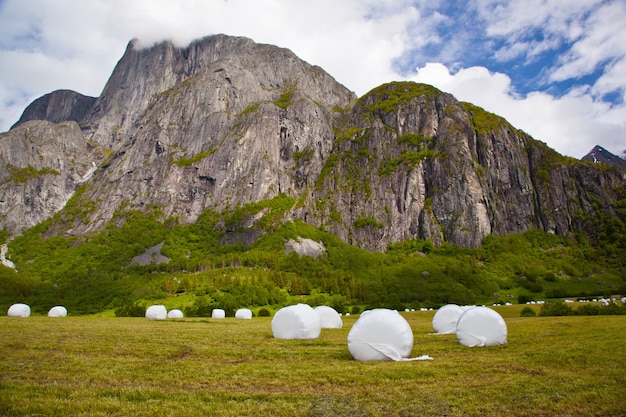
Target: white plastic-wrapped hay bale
{"x": 19, "y": 310}
{"x": 243, "y": 313}
{"x": 330, "y": 317}
{"x": 298, "y": 321}
{"x": 156, "y": 312}
{"x": 481, "y": 326}
{"x": 57, "y": 311}
{"x": 445, "y": 319}
{"x": 381, "y": 335}
{"x": 175, "y": 314}
{"x": 218, "y": 313}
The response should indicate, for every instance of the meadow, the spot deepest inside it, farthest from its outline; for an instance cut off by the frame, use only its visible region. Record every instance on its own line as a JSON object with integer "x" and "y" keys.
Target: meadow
{"x": 105, "y": 366}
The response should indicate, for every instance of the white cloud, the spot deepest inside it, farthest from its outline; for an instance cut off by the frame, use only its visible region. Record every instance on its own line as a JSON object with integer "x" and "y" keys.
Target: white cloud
{"x": 612, "y": 79}
{"x": 604, "y": 40}
{"x": 516, "y": 20}
{"x": 588, "y": 33}
{"x": 525, "y": 49}
{"x": 47, "y": 48}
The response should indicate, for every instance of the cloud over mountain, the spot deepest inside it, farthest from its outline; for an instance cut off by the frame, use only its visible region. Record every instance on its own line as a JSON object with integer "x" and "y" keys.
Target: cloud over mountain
{"x": 554, "y": 68}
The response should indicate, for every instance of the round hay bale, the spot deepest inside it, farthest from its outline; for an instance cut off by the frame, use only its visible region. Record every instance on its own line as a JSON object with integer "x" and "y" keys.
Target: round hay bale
{"x": 218, "y": 313}
{"x": 19, "y": 310}
{"x": 57, "y": 311}
{"x": 380, "y": 335}
{"x": 330, "y": 317}
{"x": 156, "y": 312}
{"x": 481, "y": 326}
{"x": 445, "y": 319}
{"x": 243, "y": 313}
{"x": 175, "y": 314}
{"x": 298, "y": 321}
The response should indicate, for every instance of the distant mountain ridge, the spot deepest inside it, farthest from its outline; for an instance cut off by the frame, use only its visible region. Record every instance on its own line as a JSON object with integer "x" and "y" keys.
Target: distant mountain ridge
{"x": 600, "y": 155}
{"x": 58, "y": 106}
{"x": 226, "y": 122}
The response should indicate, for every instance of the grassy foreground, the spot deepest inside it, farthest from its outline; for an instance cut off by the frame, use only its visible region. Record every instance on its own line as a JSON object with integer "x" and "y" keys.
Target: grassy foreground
{"x": 96, "y": 366}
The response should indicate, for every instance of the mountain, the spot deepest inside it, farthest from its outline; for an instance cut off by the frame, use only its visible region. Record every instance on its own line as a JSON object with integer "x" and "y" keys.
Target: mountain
{"x": 226, "y": 122}
{"x": 58, "y": 106}
{"x": 599, "y": 155}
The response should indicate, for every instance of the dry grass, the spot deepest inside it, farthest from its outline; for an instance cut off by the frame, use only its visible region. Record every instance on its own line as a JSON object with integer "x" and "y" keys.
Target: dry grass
{"x": 87, "y": 366}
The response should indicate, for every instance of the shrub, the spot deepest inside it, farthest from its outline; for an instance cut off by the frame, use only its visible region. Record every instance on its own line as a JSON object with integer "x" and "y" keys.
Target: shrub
{"x": 559, "y": 292}
{"x": 556, "y": 309}
{"x": 252, "y": 108}
{"x": 185, "y": 162}
{"x": 528, "y": 312}
{"x": 524, "y": 298}
{"x": 530, "y": 283}
{"x": 393, "y": 302}
{"x": 264, "y": 312}
{"x": 588, "y": 310}
{"x": 303, "y": 157}
{"x": 21, "y": 175}
{"x": 130, "y": 310}
{"x": 549, "y": 277}
{"x": 338, "y": 302}
{"x": 284, "y": 100}
{"x": 595, "y": 310}
{"x": 613, "y": 309}
{"x": 415, "y": 139}
{"x": 286, "y": 95}
{"x": 367, "y": 221}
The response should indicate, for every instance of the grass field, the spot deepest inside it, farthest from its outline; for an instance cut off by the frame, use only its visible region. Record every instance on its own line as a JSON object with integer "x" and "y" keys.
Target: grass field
{"x": 101, "y": 366}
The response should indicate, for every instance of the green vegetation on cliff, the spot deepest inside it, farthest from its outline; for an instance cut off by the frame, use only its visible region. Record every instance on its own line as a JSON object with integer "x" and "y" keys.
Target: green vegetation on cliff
{"x": 483, "y": 121}
{"x": 223, "y": 261}
{"x": 21, "y": 175}
{"x": 185, "y": 162}
{"x": 389, "y": 97}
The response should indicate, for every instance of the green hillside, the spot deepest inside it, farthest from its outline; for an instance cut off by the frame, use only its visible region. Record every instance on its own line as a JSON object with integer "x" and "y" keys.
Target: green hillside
{"x": 209, "y": 266}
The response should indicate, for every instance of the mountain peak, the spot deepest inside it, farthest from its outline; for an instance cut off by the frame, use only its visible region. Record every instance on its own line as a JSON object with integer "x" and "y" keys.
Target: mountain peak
{"x": 599, "y": 155}
{"x": 57, "y": 106}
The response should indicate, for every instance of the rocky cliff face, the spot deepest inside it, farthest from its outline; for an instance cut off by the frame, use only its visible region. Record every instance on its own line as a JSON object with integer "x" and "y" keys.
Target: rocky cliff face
{"x": 226, "y": 122}
{"x": 412, "y": 161}
{"x": 220, "y": 123}
{"x": 41, "y": 166}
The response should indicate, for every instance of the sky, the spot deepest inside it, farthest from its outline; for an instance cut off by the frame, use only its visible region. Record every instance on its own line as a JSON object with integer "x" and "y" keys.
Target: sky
{"x": 555, "y": 69}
